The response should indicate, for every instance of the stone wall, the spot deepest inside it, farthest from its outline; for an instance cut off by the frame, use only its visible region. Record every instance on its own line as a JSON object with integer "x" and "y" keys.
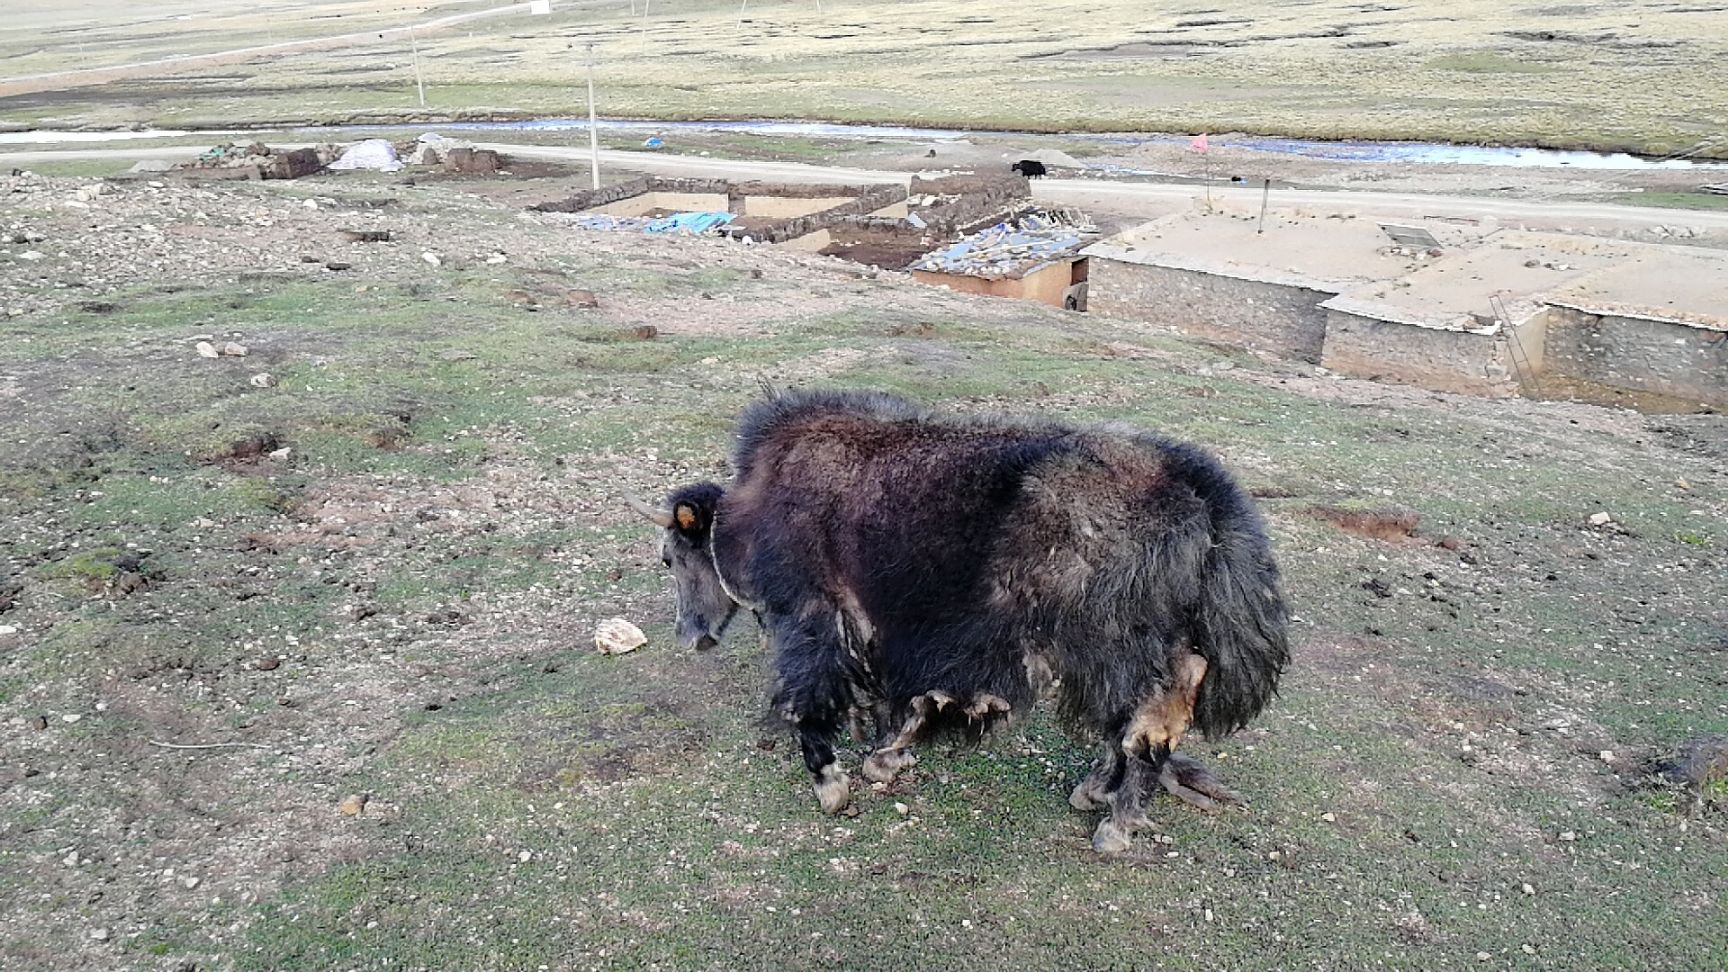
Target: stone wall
{"x": 1405, "y": 354}
{"x": 1637, "y": 354}
{"x": 1284, "y": 319}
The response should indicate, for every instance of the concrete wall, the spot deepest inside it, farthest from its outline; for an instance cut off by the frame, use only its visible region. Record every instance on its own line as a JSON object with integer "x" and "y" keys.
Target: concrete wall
{"x": 785, "y": 207}
{"x": 1638, "y": 355}
{"x": 1284, "y": 319}
{"x": 678, "y": 202}
{"x": 1451, "y": 361}
{"x": 1046, "y": 286}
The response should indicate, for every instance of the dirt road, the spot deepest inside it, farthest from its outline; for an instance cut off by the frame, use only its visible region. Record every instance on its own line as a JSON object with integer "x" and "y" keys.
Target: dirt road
{"x": 1129, "y": 198}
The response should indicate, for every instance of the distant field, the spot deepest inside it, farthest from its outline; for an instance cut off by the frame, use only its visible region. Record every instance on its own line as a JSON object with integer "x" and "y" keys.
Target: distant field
{"x": 1641, "y": 75}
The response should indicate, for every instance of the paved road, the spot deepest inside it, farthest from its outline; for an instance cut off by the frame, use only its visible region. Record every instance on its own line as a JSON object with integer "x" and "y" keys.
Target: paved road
{"x": 1126, "y": 198}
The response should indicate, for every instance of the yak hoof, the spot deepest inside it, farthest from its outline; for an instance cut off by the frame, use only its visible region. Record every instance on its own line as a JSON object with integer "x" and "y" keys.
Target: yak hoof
{"x": 985, "y": 707}
{"x": 1191, "y": 782}
{"x": 1086, "y": 797}
{"x": 884, "y": 765}
{"x": 1111, "y": 837}
{"x": 833, "y": 790}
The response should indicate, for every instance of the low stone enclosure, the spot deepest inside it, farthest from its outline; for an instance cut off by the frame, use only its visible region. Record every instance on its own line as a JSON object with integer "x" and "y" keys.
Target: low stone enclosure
{"x": 765, "y": 212}
{"x": 1483, "y": 311}
{"x": 885, "y": 225}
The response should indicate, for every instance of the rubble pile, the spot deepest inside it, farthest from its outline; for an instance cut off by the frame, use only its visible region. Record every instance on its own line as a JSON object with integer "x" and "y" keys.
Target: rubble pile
{"x": 258, "y": 161}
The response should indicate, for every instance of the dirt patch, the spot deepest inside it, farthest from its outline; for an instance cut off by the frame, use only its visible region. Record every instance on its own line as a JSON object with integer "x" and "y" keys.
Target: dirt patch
{"x": 1389, "y": 525}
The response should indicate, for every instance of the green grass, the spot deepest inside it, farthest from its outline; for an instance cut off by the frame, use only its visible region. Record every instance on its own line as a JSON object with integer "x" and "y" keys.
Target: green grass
{"x": 426, "y": 598}
{"x": 1672, "y": 200}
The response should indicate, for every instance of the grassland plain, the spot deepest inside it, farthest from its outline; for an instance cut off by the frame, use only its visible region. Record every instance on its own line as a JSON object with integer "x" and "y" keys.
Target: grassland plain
{"x": 400, "y": 608}
{"x": 1640, "y": 75}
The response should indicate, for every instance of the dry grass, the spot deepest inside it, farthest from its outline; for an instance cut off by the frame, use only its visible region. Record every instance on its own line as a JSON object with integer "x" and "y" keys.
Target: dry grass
{"x": 1637, "y": 75}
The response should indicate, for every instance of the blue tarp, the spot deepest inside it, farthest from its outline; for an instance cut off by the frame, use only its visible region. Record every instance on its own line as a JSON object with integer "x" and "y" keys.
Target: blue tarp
{"x": 686, "y": 224}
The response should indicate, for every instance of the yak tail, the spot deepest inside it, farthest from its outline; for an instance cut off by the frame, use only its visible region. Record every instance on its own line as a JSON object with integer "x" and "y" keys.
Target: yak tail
{"x": 1241, "y": 631}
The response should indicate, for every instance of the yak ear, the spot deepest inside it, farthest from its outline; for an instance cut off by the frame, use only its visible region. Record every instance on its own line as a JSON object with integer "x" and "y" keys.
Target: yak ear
{"x": 688, "y": 518}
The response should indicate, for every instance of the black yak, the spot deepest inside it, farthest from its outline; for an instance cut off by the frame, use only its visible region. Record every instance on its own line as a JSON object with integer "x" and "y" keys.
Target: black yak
{"x": 914, "y": 573}
{"x": 1030, "y": 168}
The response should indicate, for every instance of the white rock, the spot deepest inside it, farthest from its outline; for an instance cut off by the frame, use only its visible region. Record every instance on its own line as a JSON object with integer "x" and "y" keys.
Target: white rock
{"x": 616, "y": 636}
{"x": 1600, "y": 519}
{"x": 281, "y": 454}
{"x": 1606, "y": 755}
{"x": 71, "y": 717}
{"x": 100, "y": 934}
{"x": 234, "y": 349}
{"x": 263, "y": 381}
{"x": 433, "y": 259}
{"x": 310, "y": 204}
{"x": 207, "y": 350}
{"x": 8, "y": 629}
{"x": 188, "y": 882}
{"x": 30, "y": 255}
{"x": 496, "y": 258}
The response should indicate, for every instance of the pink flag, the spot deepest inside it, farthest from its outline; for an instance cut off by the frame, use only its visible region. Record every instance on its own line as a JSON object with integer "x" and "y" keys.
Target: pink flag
{"x": 1199, "y": 143}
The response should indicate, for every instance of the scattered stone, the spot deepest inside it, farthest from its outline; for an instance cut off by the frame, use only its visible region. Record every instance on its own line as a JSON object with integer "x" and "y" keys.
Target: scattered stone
{"x": 525, "y": 857}
{"x": 1528, "y": 888}
{"x": 369, "y": 235}
{"x": 207, "y": 350}
{"x": 268, "y": 663}
{"x": 581, "y": 299}
{"x": 263, "y": 381}
{"x": 1568, "y": 836}
{"x": 71, "y": 717}
{"x": 902, "y": 809}
{"x": 280, "y": 454}
{"x": 1600, "y": 519}
{"x": 432, "y": 259}
{"x": 353, "y": 805}
{"x": 40, "y": 723}
{"x": 497, "y": 258}
{"x": 1449, "y": 543}
{"x": 616, "y": 636}
{"x": 100, "y": 934}
{"x": 8, "y": 629}
{"x": 338, "y": 265}
{"x": 189, "y": 882}
{"x": 234, "y": 349}
{"x": 1329, "y": 817}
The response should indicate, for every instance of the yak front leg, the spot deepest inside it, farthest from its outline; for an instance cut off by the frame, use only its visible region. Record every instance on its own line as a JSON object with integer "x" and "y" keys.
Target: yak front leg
{"x": 814, "y": 698}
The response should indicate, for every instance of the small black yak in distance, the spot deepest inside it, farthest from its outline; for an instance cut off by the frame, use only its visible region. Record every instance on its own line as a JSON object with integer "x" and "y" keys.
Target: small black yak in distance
{"x": 1030, "y": 168}
{"x": 914, "y": 573}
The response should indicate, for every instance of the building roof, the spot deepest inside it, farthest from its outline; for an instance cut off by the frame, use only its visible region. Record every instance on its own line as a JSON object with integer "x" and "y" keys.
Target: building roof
{"x": 1007, "y": 250}
{"x": 1479, "y": 274}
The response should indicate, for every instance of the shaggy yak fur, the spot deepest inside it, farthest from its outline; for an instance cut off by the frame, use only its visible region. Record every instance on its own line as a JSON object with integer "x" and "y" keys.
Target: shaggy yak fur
{"x": 914, "y": 573}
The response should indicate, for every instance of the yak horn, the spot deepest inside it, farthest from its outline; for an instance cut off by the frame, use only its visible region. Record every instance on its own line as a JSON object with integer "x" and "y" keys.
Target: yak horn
{"x": 661, "y": 518}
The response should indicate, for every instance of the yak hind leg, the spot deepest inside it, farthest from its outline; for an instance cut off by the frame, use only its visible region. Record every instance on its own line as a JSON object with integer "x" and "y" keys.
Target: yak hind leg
{"x": 894, "y": 755}
{"x": 1127, "y": 799}
{"x": 1151, "y": 736}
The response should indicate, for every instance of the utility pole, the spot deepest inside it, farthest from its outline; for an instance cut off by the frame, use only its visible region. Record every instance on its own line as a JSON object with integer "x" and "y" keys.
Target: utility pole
{"x": 1265, "y": 197}
{"x": 593, "y": 127}
{"x": 418, "y": 83}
